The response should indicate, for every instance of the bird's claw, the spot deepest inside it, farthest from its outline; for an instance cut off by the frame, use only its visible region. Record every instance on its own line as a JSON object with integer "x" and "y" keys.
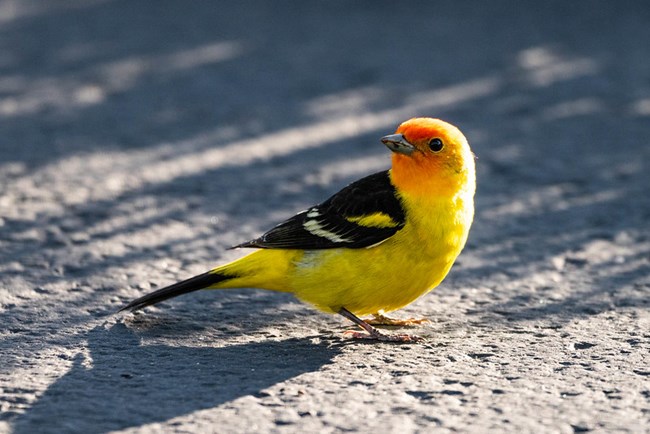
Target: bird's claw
{"x": 378, "y": 319}
{"x": 403, "y": 338}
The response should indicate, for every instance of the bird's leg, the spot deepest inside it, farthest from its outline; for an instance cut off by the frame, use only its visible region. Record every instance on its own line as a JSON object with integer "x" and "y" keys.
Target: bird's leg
{"x": 381, "y": 319}
{"x": 373, "y": 333}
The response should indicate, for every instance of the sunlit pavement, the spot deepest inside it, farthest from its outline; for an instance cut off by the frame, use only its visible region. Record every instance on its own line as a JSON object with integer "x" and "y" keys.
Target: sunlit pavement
{"x": 138, "y": 141}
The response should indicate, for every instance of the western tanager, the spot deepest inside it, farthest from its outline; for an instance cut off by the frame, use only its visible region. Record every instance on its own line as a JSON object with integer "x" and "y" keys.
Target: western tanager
{"x": 373, "y": 247}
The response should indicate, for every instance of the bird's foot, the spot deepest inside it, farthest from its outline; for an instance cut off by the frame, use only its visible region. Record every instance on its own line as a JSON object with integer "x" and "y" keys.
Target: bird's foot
{"x": 379, "y": 319}
{"x": 381, "y": 337}
{"x": 372, "y": 333}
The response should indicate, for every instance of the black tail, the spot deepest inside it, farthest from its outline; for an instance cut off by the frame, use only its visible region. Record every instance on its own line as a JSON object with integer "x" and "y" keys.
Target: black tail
{"x": 192, "y": 284}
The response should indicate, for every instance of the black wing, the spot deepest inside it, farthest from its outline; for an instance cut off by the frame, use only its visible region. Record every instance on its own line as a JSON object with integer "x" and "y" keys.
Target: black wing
{"x": 336, "y": 222}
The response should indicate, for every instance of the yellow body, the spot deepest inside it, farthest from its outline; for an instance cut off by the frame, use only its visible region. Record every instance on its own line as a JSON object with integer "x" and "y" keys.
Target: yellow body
{"x": 436, "y": 192}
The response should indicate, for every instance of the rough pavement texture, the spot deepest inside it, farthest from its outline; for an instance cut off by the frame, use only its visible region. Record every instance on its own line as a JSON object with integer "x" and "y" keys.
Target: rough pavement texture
{"x": 139, "y": 140}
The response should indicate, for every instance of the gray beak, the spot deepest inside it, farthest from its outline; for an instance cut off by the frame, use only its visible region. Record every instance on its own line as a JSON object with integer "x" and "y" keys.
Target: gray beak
{"x": 397, "y": 143}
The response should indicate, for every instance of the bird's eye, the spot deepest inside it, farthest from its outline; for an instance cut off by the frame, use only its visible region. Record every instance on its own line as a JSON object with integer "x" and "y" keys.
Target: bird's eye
{"x": 436, "y": 145}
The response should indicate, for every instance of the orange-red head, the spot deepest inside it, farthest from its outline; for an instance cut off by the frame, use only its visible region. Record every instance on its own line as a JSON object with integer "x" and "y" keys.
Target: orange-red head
{"x": 431, "y": 157}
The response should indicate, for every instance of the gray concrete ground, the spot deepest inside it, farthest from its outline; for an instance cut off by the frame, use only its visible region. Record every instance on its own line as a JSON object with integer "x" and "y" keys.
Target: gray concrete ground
{"x": 140, "y": 139}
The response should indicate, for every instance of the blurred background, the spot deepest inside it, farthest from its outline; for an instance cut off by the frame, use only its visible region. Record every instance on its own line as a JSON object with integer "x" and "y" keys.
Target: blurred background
{"x": 133, "y": 130}
{"x": 140, "y": 139}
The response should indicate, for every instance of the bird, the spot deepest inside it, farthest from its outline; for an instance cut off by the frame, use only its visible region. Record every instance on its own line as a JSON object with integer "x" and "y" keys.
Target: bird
{"x": 375, "y": 246}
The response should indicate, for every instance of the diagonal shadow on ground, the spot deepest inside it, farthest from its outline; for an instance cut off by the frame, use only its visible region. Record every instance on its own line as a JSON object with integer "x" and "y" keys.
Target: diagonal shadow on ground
{"x": 180, "y": 380}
